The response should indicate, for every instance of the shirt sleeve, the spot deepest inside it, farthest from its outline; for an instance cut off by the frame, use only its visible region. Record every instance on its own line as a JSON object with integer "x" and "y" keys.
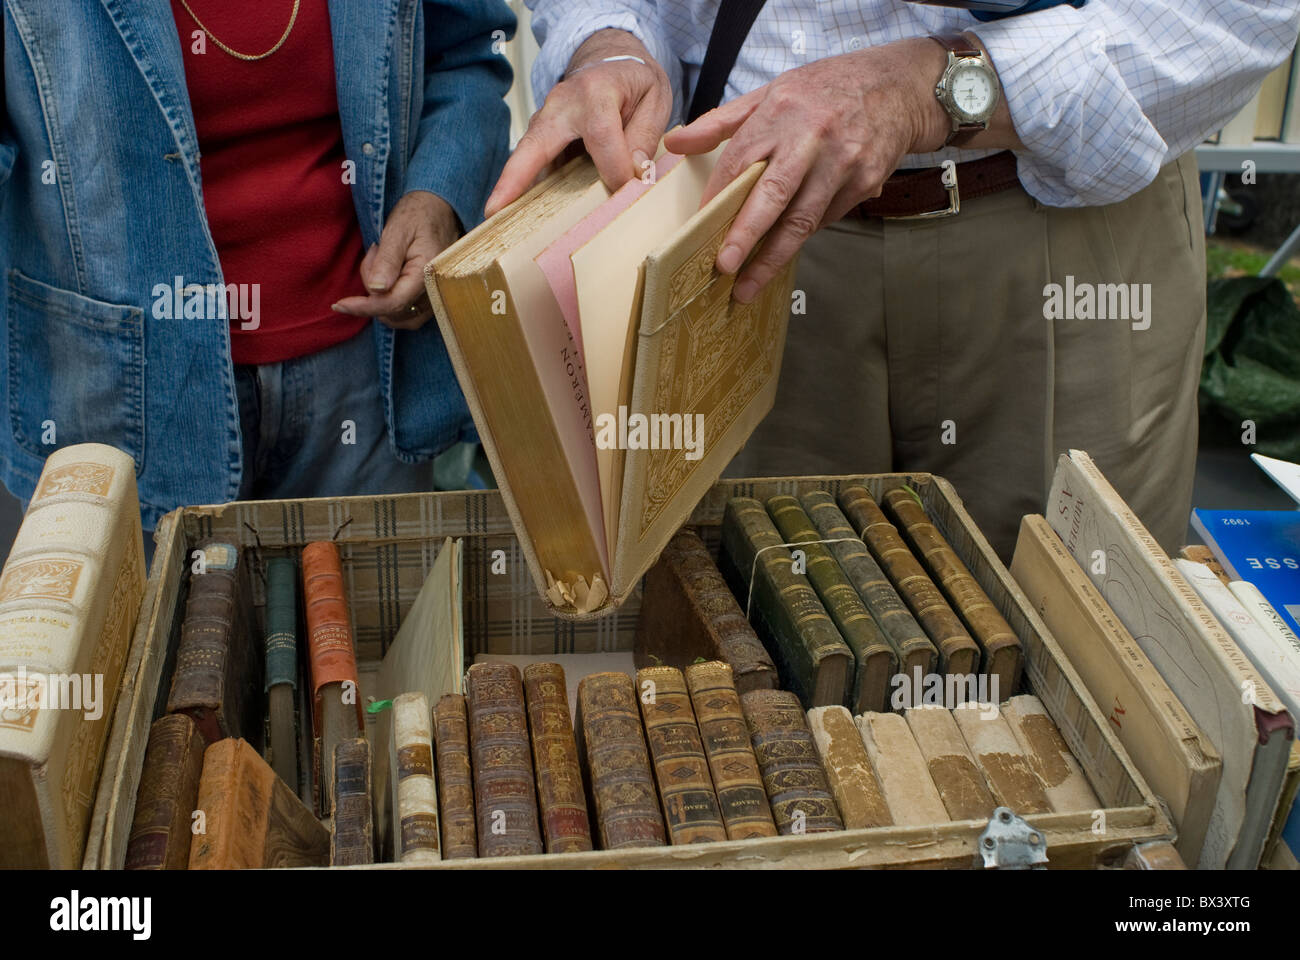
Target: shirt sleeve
{"x": 463, "y": 136}
{"x": 561, "y": 26}
{"x": 1103, "y": 96}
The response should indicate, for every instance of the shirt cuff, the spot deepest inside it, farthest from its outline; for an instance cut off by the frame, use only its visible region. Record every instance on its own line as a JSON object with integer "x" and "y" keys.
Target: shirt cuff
{"x": 1088, "y": 141}
{"x": 560, "y": 40}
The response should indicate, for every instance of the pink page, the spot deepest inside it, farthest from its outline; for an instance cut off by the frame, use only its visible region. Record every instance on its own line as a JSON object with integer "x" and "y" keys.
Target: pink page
{"x": 554, "y": 260}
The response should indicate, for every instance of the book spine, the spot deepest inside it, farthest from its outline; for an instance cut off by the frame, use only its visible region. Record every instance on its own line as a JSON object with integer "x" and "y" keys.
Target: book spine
{"x": 960, "y": 784}
{"x": 1002, "y": 761}
{"x": 912, "y": 646}
{"x": 689, "y": 612}
{"x": 725, "y": 737}
{"x": 231, "y": 839}
{"x": 681, "y": 768}
{"x": 622, "y": 786}
{"x": 505, "y": 793}
{"x": 281, "y": 650}
{"x": 848, "y": 769}
{"x": 455, "y": 778}
{"x": 1002, "y": 656}
{"x": 330, "y": 646}
{"x": 793, "y": 775}
{"x": 1049, "y": 757}
{"x": 416, "y": 790}
{"x": 560, "y": 790}
{"x": 167, "y": 795}
{"x": 352, "y": 833}
{"x": 875, "y": 660}
{"x": 958, "y": 653}
{"x": 210, "y": 646}
{"x": 905, "y": 779}
{"x": 812, "y": 656}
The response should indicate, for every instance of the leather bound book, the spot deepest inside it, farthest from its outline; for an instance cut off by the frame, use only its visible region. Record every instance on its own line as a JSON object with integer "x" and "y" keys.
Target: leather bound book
{"x": 1049, "y": 757}
{"x": 848, "y": 769}
{"x": 617, "y": 764}
{"x": 811, "y": 656}
{"x": 70, "y": 595}
{"x": 960, "y": 784}
{"x": 1001, "y": 654}
{"x": 455, "y": 778}
{"x": 904, "y": 775}
{"x": 912, "y": 646}
{"x": 681, "y": 769}
{"x": 218, "y": 674}
{"x": 737, "y": 780}
{"x": 958, "y": 653}
{"x": 282, "y": 665}
{"x": 875, "y": 659}
{"x": 251, "y": 818}
{"x": 167, "y": 796}
{"x": 689, "y": 614}
{"x": 505, "y": 793}
{"x": 352, "y": 828}
{"x": 1001, "y": 759}
{"x": 793, "y": 774}
{"x": 416, "y": 793}
{"x": 336, "y": 703}
{"x": 560, "y": 792}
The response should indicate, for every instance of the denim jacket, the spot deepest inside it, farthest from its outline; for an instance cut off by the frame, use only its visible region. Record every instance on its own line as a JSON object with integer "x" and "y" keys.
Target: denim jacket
{"x": 101, "y": 200}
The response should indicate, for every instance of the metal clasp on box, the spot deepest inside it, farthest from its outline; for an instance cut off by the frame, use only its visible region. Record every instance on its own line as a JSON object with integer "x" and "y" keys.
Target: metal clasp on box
{"x": 1011, "y": 844}
{"x": 949, "y": 180}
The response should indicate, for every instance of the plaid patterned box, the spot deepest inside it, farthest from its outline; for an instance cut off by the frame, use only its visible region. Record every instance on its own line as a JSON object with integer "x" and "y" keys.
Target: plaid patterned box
{"x": 388, "y": 545}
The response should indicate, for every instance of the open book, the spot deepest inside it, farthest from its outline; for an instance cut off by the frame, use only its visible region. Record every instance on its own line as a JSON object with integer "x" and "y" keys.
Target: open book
{"x": 608, "y": 370}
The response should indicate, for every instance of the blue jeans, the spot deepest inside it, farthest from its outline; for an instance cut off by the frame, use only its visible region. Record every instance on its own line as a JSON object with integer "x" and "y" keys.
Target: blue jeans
{"x": 314, "y": 426}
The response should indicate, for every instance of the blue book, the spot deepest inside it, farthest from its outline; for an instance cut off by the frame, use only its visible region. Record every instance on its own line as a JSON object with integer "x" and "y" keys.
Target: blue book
{"x": 1262, "y": 546}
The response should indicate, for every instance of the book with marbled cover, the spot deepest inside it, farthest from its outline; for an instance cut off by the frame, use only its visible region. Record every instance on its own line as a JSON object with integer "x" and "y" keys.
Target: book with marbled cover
{"x": 455, "y": 778}
{"x": 681, "y": 768}
{"x": 617, "y": 763}
{"x": 736, "y": 777}
{"x": 505, "y": 792}
{"x": 793, "y": 774}
{"x": 560, "y": 791}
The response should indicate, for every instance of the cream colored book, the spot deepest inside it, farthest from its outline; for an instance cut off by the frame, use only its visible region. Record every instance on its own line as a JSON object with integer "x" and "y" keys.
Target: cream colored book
{"x": 1001, "y": 759}
{"x": 961, "y": 785}
{"x": 1272, "y": 104}
{"x": 848, "y": 768}
{"x": 427, "y": 656}
{"x": 1168, "y": 747}
{"x": 415, "y": 806}
{"x": 1221, "y": 689}
{"x": 70, "y": 595}
{"x": 1240, "y": 130}
{"x": 904, "y": 775}
{"x": 1049, "y": 757}
{"x": 608, "y": 370}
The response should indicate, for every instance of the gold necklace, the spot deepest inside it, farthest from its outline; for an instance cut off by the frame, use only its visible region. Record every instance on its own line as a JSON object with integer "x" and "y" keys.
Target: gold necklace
{"x": 246, "y": 56}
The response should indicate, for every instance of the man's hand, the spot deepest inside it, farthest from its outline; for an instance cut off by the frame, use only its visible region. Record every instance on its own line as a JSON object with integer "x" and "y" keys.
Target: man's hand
{"x": 420, "y": 227}
{"x": 832, "y": 132}
{"x": 618, "y": 110}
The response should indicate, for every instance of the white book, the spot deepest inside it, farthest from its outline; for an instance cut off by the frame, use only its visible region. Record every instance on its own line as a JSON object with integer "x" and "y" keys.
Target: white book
{"x": 1197, "y": 657}
{"x": 1283, "y": 666}
{"x": 1284, "y": 473}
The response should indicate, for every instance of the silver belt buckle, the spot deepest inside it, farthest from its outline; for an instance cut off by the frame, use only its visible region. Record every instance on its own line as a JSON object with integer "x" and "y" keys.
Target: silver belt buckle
{"x": 949, "y": 178}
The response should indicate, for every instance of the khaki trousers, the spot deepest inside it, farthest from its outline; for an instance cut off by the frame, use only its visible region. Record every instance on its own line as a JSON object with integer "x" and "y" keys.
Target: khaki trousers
{"x": 924, "y": 347}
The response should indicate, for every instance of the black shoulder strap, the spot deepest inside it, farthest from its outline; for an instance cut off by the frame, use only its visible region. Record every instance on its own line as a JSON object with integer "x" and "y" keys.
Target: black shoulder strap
{"x": 730, "y": 28}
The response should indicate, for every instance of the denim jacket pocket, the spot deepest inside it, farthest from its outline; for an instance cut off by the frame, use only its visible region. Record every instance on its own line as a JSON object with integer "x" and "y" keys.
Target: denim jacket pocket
{"x": 76, "y": 370}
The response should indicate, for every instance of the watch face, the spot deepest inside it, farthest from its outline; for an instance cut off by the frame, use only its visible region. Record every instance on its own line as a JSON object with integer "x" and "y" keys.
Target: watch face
{"x": 972, "y": 91}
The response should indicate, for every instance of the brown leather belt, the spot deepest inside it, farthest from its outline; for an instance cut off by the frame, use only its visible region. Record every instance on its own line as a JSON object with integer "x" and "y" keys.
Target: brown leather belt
{"x": 922, "y": 194}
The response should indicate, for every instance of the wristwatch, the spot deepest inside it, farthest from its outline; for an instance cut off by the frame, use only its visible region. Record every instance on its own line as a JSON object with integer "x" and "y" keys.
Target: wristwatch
{"x": 968, "y": 89}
